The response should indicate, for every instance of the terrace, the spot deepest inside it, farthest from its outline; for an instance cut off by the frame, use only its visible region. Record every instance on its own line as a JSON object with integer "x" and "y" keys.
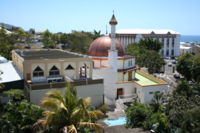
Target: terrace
{"x": 144, "y": 79}
{"x": 61, "y": 83}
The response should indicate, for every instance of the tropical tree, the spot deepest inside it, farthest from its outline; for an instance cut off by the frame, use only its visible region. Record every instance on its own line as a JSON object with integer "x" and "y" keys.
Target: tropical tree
{"x": 136, "y": 115}
{"x": 151, "y": 44}
{"x": 157, "y": 102}
{"x": 18, "y": 115}
{"x": 48, "y": 39}
{"x": 147, "y": 54}
{"x": 184, "y": 65}
{"x": 67, "y": 113}
{"x": 196, "y": 69}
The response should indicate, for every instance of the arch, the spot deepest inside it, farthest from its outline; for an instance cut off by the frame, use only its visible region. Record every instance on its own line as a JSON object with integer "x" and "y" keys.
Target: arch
{"x": 69, "y": 67}
{"x": 38, "y": 72}
{"x": 54, "y": 71}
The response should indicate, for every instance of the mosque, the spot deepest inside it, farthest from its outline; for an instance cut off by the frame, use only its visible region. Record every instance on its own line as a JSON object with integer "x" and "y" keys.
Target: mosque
{"x": 122, "y": 79}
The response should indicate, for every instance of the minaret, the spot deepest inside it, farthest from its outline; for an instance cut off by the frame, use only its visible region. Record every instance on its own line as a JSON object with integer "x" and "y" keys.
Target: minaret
{"x": 113, "y": 53}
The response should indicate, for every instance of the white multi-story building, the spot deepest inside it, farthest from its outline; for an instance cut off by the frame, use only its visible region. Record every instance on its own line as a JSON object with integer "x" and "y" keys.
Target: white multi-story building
{"x": 169, "y": 38}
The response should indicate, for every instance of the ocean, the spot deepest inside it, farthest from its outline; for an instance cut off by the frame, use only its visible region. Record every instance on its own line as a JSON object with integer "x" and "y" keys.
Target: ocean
{"x": 188, "y": 38}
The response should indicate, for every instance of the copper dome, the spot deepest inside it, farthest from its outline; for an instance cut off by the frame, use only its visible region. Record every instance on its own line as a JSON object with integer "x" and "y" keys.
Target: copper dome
{"x": 101, "y": 45}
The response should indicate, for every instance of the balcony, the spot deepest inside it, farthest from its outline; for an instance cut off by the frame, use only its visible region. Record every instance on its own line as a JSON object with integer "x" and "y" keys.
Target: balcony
{"x": 61, "y": 82}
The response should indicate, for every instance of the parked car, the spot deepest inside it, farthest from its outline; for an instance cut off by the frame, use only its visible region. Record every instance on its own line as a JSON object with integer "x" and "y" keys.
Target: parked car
{"x": 169, "y": 64}
{"x": 174, "y": 62}
{"x": 176, "y": 76}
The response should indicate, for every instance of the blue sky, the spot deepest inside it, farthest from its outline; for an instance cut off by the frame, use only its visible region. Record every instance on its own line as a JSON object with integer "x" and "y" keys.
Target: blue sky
{"x": 65, "y": 15}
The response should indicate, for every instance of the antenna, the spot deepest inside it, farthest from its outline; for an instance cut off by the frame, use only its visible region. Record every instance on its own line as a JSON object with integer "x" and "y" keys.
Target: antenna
{"x": 113, "y": 12}
{"x": 106, "y": 30}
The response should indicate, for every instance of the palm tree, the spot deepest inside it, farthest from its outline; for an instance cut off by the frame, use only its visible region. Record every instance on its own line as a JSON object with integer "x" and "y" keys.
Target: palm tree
{"x": 68, "y": 113}
{"x": 157, "y": 102}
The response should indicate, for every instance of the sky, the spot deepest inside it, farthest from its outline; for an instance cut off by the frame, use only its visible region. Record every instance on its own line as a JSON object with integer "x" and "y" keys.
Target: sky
{"x": 67, "y": 15}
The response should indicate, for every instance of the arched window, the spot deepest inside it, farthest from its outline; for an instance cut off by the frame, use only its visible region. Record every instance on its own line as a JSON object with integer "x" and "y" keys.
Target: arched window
{"x": 69, "y": 67}
{"x": 38, "y": 72}
{"x": 54, "y": 71}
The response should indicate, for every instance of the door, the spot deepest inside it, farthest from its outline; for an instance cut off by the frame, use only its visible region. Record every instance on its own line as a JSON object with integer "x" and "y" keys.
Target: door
{"x": 28, "y": 76}
{"x": 130, "y": 76}
{"x": 120, "y": 92}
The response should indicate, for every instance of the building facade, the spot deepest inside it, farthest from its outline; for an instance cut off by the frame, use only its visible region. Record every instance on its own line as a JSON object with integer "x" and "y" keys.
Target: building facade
{"x": 169, "y": 38}
{"x": 123, "y": 81}
{"x": 44, "y": 70}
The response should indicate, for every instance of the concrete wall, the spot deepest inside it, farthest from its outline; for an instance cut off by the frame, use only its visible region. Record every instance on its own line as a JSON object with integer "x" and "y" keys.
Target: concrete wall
{"x": 95, "y": 92}
{"x": 145, "y": 94}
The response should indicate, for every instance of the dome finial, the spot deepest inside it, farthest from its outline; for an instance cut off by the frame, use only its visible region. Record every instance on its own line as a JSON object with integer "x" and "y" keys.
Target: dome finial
{"x": 113, "y": 20}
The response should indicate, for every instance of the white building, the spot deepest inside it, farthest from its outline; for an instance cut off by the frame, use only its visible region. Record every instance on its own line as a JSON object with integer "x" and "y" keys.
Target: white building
{"x": 186, "y": 47}
{"x": 122, "y": 80}
{"x": 169, "y": 38}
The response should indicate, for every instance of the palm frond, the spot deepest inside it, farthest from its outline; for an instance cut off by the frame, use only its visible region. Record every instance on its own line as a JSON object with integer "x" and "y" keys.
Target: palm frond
{"x": 40, "y": 124}
{"x": 50, "y": 103}
{"x": 71, "y": 129}
{"x": 96, "y": 114}
{"x": 87, "y": 101}
{"x": 57, "y": 95}
{"x": 96, "y": 127}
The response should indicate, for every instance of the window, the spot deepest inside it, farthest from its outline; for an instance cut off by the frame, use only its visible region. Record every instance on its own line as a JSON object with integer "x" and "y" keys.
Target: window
{"x": 54, "y": 71}
{"x": 38, "y": 72}
{"x": 172, "y": 52}
{"x": 150, "y": 92}
{"x": 167, "y": 54}
{"x": 69, "y": 67}
{"x": 130, "y": 63}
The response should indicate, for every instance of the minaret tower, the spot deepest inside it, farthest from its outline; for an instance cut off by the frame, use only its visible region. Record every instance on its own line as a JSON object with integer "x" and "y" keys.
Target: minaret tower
{"x": 113, "y": 53}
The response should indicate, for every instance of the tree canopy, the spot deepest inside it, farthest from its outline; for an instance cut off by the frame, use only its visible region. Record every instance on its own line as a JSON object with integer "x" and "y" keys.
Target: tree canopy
{"x": 189, "y": 66}
{"x": 147, "y": 54}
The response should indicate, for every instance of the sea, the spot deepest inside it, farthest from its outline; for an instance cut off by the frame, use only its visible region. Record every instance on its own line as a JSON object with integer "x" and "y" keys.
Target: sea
{"x": 189, "y": 38}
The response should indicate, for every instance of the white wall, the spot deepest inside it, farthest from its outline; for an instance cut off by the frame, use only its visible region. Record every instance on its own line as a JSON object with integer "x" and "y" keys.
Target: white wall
{"x": 94, "y": 91}
{"x": 144, "y": 92}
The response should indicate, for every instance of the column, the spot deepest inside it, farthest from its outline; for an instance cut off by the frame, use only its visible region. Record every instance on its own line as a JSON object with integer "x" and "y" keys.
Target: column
{"x": 177, "y": 45}
{"x": 160, "y": 40}
{"x": 90, "y": 70}
{"x": 165, "y": 47}
{"x": 170, "y": 46}
{"x": 77, "y": 70}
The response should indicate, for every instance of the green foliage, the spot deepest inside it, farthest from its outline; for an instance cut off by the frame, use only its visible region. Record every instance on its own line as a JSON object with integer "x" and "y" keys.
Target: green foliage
{"x": 15, "y": 94}
{"x": 6, "y": 45}
{"x": 151, "y": 44}
{"x": 68, "y": 112}
{"x": 184, "y": 89}
{"x": 104, "y": 108}
{"x": 158, "y": 122}
{"x": 136, "y": 115}
{"x": 18, "y": 117}
{"x": 146, "y": 52}
{"x": 196, "y": 68}
{"x": 189, "y": 66}
{"x": 184, "y": 65}
{"x": 156, "y": 104}
{"x": 49, "y": 40}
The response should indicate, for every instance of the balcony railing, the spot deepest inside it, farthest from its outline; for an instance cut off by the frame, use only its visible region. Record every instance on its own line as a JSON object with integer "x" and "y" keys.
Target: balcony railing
{"x": 61, "y": 83}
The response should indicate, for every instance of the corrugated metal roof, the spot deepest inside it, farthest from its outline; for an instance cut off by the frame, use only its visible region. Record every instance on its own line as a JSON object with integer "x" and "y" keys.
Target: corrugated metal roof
{"x": 9, "y": 72}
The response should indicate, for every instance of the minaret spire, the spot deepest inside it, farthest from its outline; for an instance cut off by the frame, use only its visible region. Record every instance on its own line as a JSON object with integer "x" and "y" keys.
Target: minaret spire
{"x": 113, "y": 53}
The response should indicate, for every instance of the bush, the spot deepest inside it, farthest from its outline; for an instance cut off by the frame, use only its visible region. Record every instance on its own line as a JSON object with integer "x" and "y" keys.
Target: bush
{"x": 136, "y": 115}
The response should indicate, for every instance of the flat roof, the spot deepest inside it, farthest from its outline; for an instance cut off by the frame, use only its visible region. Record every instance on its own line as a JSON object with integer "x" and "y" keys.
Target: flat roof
{"x": 9, "y": 73}
{"x": 145, "y": 79}
{"x": 145, "y": 31}
{"x": 47, "y": 54}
